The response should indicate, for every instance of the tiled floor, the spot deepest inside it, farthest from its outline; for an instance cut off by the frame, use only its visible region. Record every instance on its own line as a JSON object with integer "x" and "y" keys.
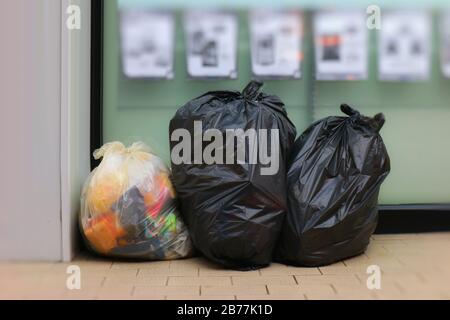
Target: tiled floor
{"x": 413, "y": 266}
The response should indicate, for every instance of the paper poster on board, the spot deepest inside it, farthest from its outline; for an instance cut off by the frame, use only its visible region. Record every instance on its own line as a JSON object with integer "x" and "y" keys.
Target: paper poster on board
{"x": 211, "y": 44}
{"x": 276, "y": 43}
{"x": 340, "y": 45}
{"x": 147, "y": 43}
{"x": 404, "y": 45}
{"x": 445, "y": 43}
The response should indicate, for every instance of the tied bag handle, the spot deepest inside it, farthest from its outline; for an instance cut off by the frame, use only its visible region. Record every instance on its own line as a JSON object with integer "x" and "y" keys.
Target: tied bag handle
{"x": 251, "y": 91}
{"x": 118, "y": 147}
{"x": 377, "y": 122}
{"x": 345, "y": 108}
{"x": 108, "y": 148}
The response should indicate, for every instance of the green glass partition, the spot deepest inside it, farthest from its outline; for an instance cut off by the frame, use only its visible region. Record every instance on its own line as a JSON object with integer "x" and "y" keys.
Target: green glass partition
{"x": 417, "y": 131}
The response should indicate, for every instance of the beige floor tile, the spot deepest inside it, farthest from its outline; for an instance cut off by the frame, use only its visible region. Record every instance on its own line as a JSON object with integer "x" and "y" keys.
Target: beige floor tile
{"x": 400, "y": 236}
{"x": 389, "y": 295}
{"x": 116, "y": 290}
{"x": 294, "y": 296}
{"x": 376, "y": 249}
{"x": 304, "y": 289}
{"x": 123, "y": 272}
{"x": 151, "y": 265}
{"x": 152, "y": 280}
{"x": 342, "y": 288}
{"x": 297, "y": 271}
{"x": 361, "y": 260}
{"x": 340, "y": 270}
{"x": 279, "y": 280}
{"x": 26, "y": 267}
{"x": 85, "y": 266}
{"x": 307, "y": 291}
{"x": 193, "y": 263}
{"x": 328, "y": 279}
{"x": 168, "y": 272}
{"x": 166, "y": 290}
{"x": 414, "y": 266}
{"x": 215, "y": 281}
{"x": 234, "y": 290}
{"x": 83, "y": 294}
{"x": 116, "y": 296}
{"x": 321, "y": 296}
{"x": 356, "y": 296}
{"x": 224, "y": 272}
{"x": 316, "y": 288}
{"x": 118, "y": 279}
{"x": 32, "y": 293}
{"x": 384, "y": 261}
{"x": 277, "y": 269}
{"x": 148, "y": 296}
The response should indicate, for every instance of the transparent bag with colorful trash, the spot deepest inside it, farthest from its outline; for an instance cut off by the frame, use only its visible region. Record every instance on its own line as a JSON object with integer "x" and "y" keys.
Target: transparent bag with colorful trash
{"x": 128, "y": 207}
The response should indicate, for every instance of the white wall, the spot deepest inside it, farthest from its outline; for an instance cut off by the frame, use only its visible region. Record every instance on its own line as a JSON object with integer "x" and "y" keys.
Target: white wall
{"x": 30, "y": 221}
{"x": 44, "y": 127}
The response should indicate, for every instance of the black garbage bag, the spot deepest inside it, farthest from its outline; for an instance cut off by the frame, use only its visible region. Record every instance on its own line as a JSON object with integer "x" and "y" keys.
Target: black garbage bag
{"x": 235, "y": 204}
{"x": 336, "y": 168}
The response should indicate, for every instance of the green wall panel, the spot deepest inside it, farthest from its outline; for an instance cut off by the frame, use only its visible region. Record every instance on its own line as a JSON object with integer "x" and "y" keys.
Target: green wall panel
{"x": 284, "y": 3}
{"x": 417, "y": 131}
{"x": 141, "y": 110}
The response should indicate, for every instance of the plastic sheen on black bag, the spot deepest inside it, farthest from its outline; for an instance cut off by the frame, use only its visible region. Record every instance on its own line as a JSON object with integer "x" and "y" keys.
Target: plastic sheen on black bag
{"x": 234, "y": 202}
{"x": 336, "y": 169}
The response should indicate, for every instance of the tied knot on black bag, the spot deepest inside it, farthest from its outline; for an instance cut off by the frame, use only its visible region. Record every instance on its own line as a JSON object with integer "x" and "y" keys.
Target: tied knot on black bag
{"x": 251, "y": 91}
{"x": 376, "y": 123}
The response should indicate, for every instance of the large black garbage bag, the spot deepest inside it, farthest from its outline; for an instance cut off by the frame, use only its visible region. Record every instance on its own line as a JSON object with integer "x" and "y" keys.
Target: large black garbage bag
{"x": 234, "y": 209}
{"x": 337, "y": 166}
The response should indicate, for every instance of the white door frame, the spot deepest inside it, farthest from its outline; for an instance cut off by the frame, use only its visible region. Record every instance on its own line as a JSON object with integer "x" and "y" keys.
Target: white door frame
{"x": 75, "y": 120}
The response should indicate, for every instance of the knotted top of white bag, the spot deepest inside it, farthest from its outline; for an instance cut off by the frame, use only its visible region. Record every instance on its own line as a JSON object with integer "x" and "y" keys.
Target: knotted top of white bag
{"x": 118, "y": 147}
